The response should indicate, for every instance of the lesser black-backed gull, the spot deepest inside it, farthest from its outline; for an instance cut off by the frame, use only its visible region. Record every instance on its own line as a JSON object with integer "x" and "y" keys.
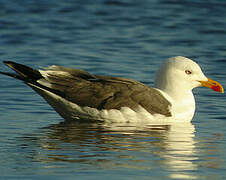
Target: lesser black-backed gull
{"x": 77, "y": 94}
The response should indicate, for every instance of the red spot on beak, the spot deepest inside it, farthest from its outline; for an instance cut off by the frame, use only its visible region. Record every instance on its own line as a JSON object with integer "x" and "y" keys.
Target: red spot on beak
{"x": 214, "y": 85}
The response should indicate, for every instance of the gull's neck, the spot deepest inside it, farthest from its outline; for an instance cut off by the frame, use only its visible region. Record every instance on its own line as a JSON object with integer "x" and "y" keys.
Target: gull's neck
{"x": 183, "y": 102}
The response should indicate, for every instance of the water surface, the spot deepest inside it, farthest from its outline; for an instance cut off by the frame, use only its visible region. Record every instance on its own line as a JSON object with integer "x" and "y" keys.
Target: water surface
{"x": 120, "y": 38}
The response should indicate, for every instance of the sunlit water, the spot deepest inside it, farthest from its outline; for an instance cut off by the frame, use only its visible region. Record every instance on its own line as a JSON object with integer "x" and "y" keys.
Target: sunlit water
{"x": 121, "y": 38}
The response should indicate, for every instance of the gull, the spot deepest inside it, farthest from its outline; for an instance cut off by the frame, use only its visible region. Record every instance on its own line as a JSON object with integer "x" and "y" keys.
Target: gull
{"x": 76, "y": 94}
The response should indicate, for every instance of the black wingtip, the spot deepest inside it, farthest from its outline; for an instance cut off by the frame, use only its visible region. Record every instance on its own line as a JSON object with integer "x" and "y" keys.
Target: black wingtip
{"x": 26, "y": 72}
{"x": 8, "y": 62}
{"x": 11, "y": 64}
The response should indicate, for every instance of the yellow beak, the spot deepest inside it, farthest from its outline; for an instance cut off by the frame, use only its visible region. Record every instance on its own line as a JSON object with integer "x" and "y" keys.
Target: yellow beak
{"x": 214, "y": 85}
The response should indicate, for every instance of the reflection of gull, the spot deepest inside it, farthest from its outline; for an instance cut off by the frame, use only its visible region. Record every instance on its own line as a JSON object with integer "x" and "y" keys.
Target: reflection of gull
{"x": 115, "y": 146}
{"x": 177, "y": 146}
{"x": 76, "y": 94}
{"x": 180, "y": 151}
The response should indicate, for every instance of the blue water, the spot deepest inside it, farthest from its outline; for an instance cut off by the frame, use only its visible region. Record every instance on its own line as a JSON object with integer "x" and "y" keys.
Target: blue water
{"x": 121, "y": 38}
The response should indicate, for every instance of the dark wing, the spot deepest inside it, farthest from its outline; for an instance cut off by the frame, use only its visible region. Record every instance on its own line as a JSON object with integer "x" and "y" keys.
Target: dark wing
{"x": 105, "y": 92}
{"x": 101, "y": 92}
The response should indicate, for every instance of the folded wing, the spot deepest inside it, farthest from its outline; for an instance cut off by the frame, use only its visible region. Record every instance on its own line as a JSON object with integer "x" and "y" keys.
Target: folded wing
{"x": 85, "y": 89}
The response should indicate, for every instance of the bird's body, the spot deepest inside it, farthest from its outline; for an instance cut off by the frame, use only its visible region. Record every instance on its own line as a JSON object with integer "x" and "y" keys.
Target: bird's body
{"x": 76, "y": 94}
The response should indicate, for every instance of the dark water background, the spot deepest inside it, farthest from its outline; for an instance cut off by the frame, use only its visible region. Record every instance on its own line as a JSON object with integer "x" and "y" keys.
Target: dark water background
{"x": 127, "y": 38}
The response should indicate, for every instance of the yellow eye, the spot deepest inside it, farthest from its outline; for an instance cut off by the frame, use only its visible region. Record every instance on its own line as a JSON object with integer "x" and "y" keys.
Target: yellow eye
{"x": 187, "y": 72}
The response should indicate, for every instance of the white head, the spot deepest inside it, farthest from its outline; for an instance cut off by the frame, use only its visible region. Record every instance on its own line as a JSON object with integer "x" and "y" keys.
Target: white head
{"x": 180, "y": 75}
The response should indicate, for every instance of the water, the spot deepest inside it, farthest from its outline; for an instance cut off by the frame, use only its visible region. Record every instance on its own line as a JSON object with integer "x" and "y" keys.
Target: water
{"x": 121, "y": 38}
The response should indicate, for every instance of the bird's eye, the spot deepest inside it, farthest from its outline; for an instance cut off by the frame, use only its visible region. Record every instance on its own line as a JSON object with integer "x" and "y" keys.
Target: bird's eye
{"x": 187, "y": 72}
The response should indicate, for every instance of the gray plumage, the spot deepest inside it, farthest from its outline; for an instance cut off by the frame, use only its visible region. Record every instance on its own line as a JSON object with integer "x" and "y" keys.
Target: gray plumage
{"x": 100, "y": 92}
